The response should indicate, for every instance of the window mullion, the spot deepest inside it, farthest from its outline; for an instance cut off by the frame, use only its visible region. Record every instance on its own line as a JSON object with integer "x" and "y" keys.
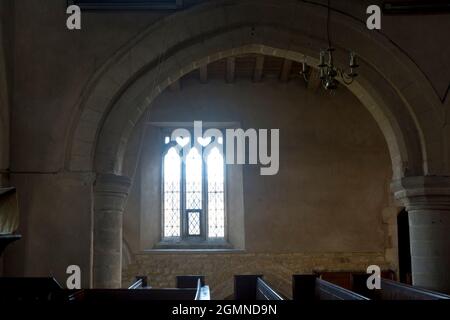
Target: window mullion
{"x": 204, "y": 197}
{"x": 183, "y": 224}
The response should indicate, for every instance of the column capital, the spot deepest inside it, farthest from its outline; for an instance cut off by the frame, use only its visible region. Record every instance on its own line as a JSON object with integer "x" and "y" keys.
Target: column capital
{"x": 423, "y": 192}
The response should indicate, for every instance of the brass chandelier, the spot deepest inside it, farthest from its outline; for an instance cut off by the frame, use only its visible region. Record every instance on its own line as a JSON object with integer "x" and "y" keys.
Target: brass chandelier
{"x": 328, "y": 71}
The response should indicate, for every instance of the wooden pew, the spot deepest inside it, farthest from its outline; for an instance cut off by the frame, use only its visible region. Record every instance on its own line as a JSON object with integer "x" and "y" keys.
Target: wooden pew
{"x": 390, "y": 290}
{"x": 393, "y": 290}
{"x": 139, "y": 290}
{"x": 139, "y": 283}
{"x": 29, "y": 289}
{"x": 202, "y": 291}
{"x": 48, "y": 289}
{"x": 253, "y": 287}
{"x": 190, "y": 281}
{"x": 126, "y": 295}
{"x": 194, "y": 281}
{"x": 344, "y": 279}
{"x": 310, "y": 287}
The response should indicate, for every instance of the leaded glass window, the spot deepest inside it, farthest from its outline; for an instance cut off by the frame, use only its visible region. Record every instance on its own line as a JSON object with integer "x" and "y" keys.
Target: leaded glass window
{"x": 194, "y": 180}
{"x": 193, "y": 190}
{"x": 216, "y": 210}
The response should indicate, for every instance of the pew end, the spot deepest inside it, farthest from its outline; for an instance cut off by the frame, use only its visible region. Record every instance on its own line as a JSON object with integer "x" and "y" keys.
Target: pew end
{"x": 253, "y": 287}
{"x": 189, "y": 281}
{"x": 311, "y": 287}
{"x": 139, "y": 283}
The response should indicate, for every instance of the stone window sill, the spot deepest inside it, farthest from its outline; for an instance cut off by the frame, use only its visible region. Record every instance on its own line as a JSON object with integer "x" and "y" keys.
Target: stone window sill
{"x": 193, "y": 247}
{"x": 187, "y": 251}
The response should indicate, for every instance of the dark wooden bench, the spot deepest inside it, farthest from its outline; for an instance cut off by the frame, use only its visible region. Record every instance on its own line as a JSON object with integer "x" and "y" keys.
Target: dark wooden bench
{"x": 30, "y": 289}
{"x": 344, "y": 279}
{"x": 311, "y": 287}
{"x": 202, "y": 291}
{"x": 190, "y": 281}
{"x": 139, "y": 290}
{"x": 390, "y": 289}
{"x": 139, "y": 283}
{"x": 125, "y": 295}
{"x": 194, "y": 281}
{"x": 253, "y": 287}
{"x": 49, "y": 290}
{"x": 393, "y": 290}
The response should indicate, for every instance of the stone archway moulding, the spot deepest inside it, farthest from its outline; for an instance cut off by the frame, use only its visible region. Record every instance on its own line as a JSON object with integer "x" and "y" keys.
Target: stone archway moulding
{"x": 127, "y": 84}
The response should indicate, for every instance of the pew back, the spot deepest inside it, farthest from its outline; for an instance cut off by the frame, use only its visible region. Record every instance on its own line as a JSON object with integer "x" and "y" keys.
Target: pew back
{"x": 253, "y": 287}
{"x": 124, "y": 295}
{"x": 190, "y": 281}
{"x": 29, "y": 289}
{"x": 139, "y": 283}
{"x": 265, "y": 292}
{"x": 202, "y": 291}
{"x": 310, "y": 287}
{"x": 392, "y": 290}
{"x": 325, "y": 290}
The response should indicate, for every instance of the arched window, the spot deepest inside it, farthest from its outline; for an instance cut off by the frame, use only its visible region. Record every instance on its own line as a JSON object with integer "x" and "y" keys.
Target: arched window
{"x": 193, "y": 191}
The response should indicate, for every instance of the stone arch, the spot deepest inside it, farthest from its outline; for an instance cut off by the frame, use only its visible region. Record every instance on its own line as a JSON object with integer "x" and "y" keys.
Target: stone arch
{"x": 389, "y": 84}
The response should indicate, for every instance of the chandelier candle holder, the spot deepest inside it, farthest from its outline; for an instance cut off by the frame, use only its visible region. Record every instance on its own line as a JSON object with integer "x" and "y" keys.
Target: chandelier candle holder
{"x": 328, "y": 71}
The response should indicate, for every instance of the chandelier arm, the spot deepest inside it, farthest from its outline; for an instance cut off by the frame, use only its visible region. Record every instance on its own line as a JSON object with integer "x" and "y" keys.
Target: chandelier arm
{"x": 346, "y": 78}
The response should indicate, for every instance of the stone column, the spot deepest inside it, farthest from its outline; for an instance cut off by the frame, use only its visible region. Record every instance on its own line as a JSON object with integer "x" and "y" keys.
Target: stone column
{"x": 110, "y": 194}
{"x": 427, "y": 200}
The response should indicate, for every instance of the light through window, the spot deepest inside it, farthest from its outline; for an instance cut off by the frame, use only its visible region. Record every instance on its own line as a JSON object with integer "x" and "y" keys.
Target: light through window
{"x": 216, "y": 208}
{"x": 172, "y": 193}
{"x": 193, "y": 191}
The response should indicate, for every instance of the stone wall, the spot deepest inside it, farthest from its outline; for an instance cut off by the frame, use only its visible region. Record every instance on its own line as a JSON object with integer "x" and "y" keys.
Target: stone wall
{"x": 333, "y": 180}
{"x": 51, "y": 68}
{"x": 328, "y": 208}
{"x": 219, "y": 268}
{"x": 6, "y": 10}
